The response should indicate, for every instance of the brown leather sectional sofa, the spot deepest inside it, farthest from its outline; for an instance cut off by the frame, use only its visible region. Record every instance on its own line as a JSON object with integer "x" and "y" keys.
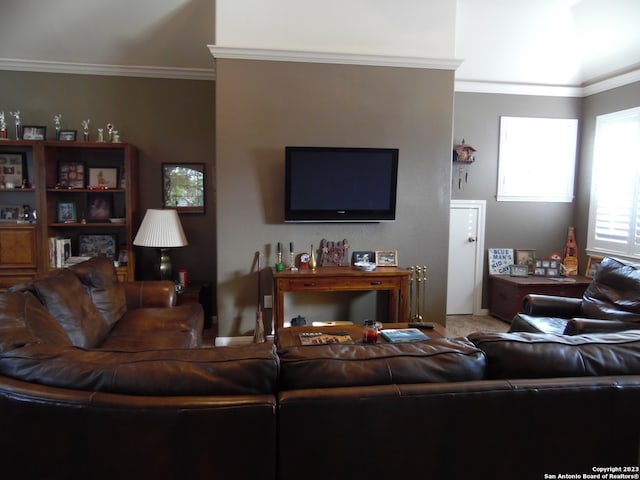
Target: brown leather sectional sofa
{"x": 142, "y": 399}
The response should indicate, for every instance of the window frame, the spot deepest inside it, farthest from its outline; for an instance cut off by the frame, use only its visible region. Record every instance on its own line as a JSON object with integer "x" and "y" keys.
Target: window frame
{"x": 533, "y": 168}
{"x": 613, "y": 151}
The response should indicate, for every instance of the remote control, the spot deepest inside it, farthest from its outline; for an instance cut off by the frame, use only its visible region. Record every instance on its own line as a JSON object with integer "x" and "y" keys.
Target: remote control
{"x": 421, "y": 325}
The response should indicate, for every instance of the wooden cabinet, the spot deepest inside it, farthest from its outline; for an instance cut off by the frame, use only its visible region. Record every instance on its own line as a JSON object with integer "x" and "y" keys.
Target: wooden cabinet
{"x": 78, "y": 207}
{"x": 18, "y": 254}
{"x": 506, "y": 292}
{"x": 343, "y": 279}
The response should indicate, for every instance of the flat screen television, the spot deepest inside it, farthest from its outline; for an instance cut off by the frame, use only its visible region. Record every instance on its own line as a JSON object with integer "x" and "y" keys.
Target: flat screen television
{"x": 338, "y": 184}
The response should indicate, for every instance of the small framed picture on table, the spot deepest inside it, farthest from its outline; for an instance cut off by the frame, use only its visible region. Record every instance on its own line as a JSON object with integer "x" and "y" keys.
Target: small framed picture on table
{"x": 386, "y": 258}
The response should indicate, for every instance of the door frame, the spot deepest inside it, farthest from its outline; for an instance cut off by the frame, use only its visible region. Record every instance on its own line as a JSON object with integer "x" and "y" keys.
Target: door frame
{"x": 481, "y": 207}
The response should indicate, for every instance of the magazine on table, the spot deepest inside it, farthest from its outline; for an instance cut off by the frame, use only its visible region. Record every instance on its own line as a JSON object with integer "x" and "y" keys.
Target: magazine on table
{"x": 319, "y": 338}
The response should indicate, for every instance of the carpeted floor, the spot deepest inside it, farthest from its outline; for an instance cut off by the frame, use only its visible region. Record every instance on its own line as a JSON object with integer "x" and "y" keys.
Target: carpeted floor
{"x": 463, "y": 325}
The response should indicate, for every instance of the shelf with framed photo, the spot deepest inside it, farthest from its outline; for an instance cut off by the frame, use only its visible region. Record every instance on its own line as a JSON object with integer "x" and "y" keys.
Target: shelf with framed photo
{"x": 52, "y": 181}
{"x": 100, "y": 180}
{"x": 18, "y": 201}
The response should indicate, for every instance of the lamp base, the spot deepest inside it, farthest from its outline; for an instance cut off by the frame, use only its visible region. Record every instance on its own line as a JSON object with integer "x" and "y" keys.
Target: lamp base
{"x": 162, "y": 267}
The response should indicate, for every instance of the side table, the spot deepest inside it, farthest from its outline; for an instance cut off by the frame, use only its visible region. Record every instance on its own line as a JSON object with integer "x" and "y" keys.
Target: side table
{"x": 506, "y": 292}
{"x": 200, "y": 292}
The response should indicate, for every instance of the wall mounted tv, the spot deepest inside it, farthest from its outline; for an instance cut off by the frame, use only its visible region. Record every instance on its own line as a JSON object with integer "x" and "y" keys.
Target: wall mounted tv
{"x": 335, "y": 184}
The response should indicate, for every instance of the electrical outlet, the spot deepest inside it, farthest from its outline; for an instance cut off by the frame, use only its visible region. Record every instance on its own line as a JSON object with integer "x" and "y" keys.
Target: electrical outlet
{"x": 268, "y": 301}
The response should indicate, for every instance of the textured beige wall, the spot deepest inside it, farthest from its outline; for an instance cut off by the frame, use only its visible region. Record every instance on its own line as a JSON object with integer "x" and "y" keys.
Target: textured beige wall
{"x": 168, "y": 120}
{"x": 263, "y": 106}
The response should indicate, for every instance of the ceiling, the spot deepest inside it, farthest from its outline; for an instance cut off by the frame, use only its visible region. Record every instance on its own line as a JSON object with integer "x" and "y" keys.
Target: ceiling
{"x": 569, "y": 43}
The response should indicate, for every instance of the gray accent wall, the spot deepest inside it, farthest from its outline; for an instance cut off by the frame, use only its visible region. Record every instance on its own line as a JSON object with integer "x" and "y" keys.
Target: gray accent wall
{"x": 262, "y": 106}
{"x": 517, "y": 225}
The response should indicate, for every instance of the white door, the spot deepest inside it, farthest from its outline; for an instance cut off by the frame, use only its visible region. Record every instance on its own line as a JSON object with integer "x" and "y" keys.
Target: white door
{"x": 466, "y": 247}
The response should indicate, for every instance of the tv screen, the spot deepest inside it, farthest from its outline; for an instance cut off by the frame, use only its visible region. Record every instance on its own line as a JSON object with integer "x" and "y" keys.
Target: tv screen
{"x": 335, "y": 184}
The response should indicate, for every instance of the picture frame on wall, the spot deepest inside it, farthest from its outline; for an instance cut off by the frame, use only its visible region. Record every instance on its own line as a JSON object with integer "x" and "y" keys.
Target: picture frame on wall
{"x": 97, "y": 245}
{"x": 183, "y": 187}
{"x": 71, "y": 174}
{"x": 103, "y": 177}
{"x": 13, "y": 169}
{"x": 99, "y": 207}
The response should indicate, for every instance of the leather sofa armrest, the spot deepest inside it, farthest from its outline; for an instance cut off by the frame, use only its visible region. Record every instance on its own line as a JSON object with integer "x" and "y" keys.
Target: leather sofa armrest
{"x": 149, "y": 294}
{"x": 551, "y": 306}
{"x": 578, "y": 326}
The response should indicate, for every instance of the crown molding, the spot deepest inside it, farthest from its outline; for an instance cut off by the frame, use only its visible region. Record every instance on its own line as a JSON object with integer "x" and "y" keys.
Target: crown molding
{"x": 240, "y": 53}
{"x": 612, "y": 82}
{"x": 109, "y": 70}
{"x": 502, "y": 88}
{"x": 470, "y": 86}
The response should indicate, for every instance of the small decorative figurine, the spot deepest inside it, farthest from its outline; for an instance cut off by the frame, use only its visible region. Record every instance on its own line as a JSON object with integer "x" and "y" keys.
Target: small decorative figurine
{"x": 16, "y": 115}
{"x": 101, "y": 135}
{"x": 3, "y": 126}
{"x": 110, "y": 132}
{"x": 85, "y": 129}
{"x": 56, "y": 121}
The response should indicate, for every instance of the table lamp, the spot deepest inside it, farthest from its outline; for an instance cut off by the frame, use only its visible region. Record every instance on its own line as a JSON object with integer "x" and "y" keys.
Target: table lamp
{"x": 161, "y": 229}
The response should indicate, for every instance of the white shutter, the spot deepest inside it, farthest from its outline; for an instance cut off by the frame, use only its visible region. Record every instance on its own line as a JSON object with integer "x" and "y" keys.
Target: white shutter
{"x": 614, "y": 220}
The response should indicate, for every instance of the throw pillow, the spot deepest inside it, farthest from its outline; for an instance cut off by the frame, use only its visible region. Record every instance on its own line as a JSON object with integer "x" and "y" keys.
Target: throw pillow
{"x": 68, "y": 301}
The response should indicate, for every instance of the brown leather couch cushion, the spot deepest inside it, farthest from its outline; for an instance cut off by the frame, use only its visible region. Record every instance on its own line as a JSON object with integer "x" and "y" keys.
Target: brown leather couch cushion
{"x": 157, "y": 328}
{"x": 24, "y": 321}
{"x": 613, "y": 294}
{"x": 205, "y": 371}
{"x": 436, "y": 360}
{"x": 540, "y": 355}
{"x": 66, "y": 298}
{"x": 99, "y": 277}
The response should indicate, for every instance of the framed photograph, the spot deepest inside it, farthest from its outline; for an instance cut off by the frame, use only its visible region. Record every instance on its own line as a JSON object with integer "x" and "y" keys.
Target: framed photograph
{"x": 183, "y": 187}
{"x": 386, "y": 258}
{"x": 553, "y": 272}
{"x": 540, "y": 271}
{"x": 71, "y": 174}
{"x": 592, "y": 266}
{"x": 363, "y": 257}
{"x": 99, "y": 207}
{"x": 526, "y": 257}
{"x": 97, "y": 246}
{"x": 67, "y": 135}
{"x": 103, "y": 177}
{"x": 67, "y": 212}
{"x": 34, "y": 132}
{"x": 13, "y": 169}
{"x": 519, "y": 270}
{"x": 10, "y": 213}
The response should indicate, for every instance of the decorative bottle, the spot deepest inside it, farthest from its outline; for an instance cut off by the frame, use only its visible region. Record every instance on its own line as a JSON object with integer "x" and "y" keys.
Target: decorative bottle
{"x": 570, "y": 255}
{"x": 312, "y": 259}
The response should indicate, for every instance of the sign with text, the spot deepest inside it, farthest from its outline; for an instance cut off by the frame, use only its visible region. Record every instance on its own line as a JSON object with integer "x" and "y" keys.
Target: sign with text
{"x": 500, "y": 261}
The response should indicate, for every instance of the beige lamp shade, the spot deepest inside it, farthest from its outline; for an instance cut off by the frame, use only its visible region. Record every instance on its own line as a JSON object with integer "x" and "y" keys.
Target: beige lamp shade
{"x": 160, "y": 229}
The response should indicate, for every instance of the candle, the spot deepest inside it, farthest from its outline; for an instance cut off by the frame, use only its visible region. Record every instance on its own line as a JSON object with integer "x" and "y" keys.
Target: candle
{"x": 291, "y": 247}
{"x": 279, "y": 247}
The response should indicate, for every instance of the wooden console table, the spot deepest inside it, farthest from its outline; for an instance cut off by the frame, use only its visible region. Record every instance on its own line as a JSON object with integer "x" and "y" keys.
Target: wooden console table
{"x": 343, "y": 279}
{"x": 506, "y": 292}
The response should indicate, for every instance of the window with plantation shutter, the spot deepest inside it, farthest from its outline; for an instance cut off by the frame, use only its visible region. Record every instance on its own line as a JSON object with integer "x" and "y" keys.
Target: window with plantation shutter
{"x": 614, "y": 212}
